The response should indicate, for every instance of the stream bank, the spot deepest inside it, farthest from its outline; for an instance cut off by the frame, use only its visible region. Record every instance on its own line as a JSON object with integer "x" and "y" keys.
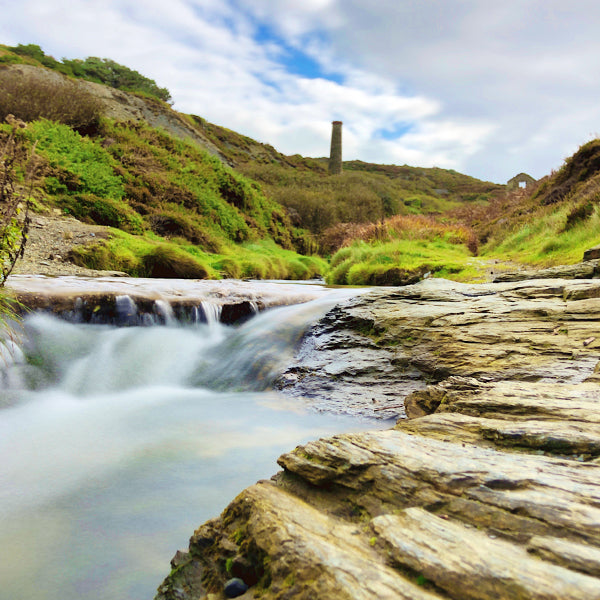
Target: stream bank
{"x": 490, "y": 488}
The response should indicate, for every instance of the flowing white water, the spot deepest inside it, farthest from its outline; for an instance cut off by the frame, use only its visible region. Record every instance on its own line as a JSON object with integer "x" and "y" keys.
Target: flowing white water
{"x": 116, "y": 443}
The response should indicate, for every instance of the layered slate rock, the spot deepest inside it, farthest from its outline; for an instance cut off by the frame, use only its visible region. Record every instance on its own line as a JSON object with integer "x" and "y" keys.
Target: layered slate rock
{"x": 366, "y": 356}
{"x": 589, "y": 268}
{"x": 490, "y": 489}
{"x": 139, "y": 301}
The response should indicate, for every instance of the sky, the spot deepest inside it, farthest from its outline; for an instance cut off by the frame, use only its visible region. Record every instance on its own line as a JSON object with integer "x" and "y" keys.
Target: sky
{"x": 490, "y": 89}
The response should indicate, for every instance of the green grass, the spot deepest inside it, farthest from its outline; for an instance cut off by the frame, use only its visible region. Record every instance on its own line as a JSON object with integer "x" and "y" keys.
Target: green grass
{"x": 363, "y": 193}
{"x": 389, "y": 262}
{"x": 176, "y": 210}
{"x": 545, "y": 241}
{"x": 77, "y": 164}
{"x": 151, "y": 256}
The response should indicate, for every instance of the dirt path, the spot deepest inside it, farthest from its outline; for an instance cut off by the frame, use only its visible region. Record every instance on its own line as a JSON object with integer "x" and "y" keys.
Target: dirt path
{"x": 50, "y": 239}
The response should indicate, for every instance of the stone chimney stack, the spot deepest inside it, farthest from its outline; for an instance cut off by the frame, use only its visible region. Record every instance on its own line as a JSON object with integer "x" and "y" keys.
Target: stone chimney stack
{"x": 335, "y": 155}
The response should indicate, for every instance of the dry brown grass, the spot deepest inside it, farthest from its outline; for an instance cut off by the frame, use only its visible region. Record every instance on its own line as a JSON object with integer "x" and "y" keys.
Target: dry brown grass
{"x": 28, "y": 96}
{"x": 411, "y": 227}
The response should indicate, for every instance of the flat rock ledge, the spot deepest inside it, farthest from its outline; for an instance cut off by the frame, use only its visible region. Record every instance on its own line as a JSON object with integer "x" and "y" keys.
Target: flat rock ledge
{"x": 489, "y": 489}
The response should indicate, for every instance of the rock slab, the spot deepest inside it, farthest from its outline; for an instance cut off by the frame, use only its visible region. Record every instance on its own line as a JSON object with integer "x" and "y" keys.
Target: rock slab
{"x": 490, "y": 489}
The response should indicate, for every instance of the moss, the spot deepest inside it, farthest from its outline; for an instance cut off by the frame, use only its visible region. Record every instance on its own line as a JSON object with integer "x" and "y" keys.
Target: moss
{"x": 229, "y": 565}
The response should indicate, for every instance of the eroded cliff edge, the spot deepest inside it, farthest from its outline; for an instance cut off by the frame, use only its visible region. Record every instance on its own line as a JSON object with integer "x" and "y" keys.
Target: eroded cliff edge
{"x": 491, "y": 487}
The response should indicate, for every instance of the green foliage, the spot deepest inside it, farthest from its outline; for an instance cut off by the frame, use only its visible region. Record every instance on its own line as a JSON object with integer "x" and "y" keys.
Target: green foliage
{"x": 546, "y": 241}
{"x": 229, "y": 565}
{"x": 102, "y": 211}
{"x": 79, "y": 164}
{"x": 143, "y": 257}
{"x": 399, "y": 262}
{"x": 35, "y": 52}
{"x": 182, "y": 191}
{"x": 363, "y": 193}
{"x": 92, "y": 68}
{"x": 555, "y": 223}
{"x": 14, "y": 204}
{"x": 170, "y": 262}
{"x": 111, "y": 73}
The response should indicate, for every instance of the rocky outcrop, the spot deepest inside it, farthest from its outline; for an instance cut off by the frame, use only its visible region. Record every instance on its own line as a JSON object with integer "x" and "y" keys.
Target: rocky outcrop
{"x": 137, "y": 301}
{"x": 592, "y": 253}
{"x": 491, "y": 487}
{"x": 588, "y": 269}
{"x": 367, "y": 356}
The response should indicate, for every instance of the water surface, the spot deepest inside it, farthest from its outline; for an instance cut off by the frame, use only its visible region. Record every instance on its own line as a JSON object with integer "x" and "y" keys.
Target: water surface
{"x": 116, "y": 443}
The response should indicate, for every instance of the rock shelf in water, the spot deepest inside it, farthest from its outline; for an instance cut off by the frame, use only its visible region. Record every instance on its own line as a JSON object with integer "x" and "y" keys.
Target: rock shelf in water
{"x": 138, "y": 301}
{"x": 491, "y": 487}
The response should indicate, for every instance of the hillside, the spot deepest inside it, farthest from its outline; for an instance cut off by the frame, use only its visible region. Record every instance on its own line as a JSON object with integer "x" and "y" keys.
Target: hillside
{"x": 547, "y": 224}
{"x": 190, "y": 198}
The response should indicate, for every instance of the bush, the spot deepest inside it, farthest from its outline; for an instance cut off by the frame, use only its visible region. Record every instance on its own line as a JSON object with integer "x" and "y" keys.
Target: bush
{"x": 174, "y": 223}
{"x": 30, "y": 96}
{"x": 14, "y": 222}
{"x": 578, "y": 214}
{"x": 109, "y": 72}
{"x": 168, "y": 262}
{"x": 408, "y": 227}
{"x": 102, "y": 211}
{"x": 78, "y": 163}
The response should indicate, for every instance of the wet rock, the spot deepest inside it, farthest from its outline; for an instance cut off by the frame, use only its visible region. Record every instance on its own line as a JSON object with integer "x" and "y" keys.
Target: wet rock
{"x": 491, "y": 490}
{"x": 385, "y": 345}
{"x": 234, "y": 587}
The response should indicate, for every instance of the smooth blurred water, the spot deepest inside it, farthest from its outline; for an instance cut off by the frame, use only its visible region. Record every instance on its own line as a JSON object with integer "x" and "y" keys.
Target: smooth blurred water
{"x": 115, "y": 444}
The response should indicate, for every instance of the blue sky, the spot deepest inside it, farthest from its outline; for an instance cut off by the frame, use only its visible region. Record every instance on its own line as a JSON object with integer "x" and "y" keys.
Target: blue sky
{"x": 488, "y": 89}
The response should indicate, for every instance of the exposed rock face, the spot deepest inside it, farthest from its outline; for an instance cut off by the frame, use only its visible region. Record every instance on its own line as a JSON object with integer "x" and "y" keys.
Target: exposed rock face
{"x": 384, "y": 345}
{"x": 490, "y": 490}
{"x": 138, "y": 301}
{"x": 592, "y": 253}
{"x": 588, "y": 269}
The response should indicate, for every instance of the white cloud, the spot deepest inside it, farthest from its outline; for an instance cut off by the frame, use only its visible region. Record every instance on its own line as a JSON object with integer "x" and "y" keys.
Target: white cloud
{"x": 488, "y": 89}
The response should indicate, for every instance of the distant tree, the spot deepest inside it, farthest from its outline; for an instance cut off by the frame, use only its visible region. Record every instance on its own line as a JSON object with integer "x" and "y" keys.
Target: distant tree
{"x": 111, "y": 73}
{"x": 34, "y": 51}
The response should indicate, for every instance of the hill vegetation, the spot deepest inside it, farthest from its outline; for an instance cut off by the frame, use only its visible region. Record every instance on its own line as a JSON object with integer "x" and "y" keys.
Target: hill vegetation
{"x": 193, "y": 199}
{"x": 99, "y": 70}
{"x": 550, "y": 223}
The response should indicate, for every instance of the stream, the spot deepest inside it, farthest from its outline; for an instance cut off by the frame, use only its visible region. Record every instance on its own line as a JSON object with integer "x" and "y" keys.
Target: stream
{"x": 116, "y": 443}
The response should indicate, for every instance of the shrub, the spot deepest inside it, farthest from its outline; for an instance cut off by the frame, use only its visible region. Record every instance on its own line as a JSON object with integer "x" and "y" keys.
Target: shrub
{"x": 30, "y": 96}
{"x": 169, "y": 262}
{"x": 579, "y": 213}
{"x": 109, "y": 72}
{"x": 409, "y": 227}
{"x": 102, "y": 211}
{"x": 173, "y": 223}
{"x": 14, "y": 222}
{"x": 77, "y": 162}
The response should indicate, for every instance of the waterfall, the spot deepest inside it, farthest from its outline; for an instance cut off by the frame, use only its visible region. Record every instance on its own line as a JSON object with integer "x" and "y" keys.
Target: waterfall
{"x": 117, "y": 442}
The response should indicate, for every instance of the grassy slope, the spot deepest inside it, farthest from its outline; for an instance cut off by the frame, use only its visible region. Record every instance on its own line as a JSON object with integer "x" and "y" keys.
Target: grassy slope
{"x": 552, "y": 224}
{"x": 176, "y": 198}
{"x": 365, "y": 192}
{"x": 177, "y": 208}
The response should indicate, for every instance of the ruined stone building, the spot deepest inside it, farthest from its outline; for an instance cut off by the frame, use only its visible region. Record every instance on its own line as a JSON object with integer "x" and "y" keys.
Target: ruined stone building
{"x": 522, "y": 180}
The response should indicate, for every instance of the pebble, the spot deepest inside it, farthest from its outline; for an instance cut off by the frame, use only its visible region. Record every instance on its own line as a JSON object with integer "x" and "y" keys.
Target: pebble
{"x": 235, "y": 587}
